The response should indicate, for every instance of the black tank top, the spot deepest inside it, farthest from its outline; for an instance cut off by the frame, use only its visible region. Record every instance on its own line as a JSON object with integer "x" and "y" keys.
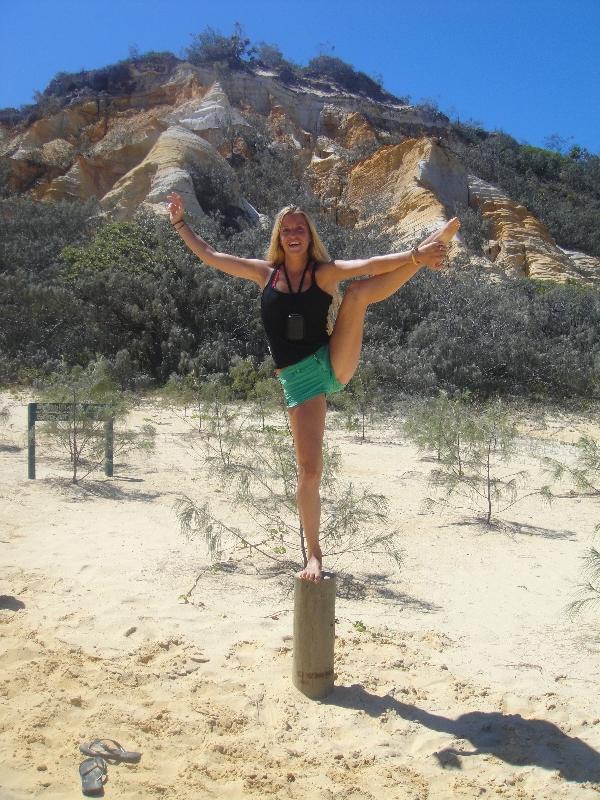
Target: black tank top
{"x": 275, "y": 308}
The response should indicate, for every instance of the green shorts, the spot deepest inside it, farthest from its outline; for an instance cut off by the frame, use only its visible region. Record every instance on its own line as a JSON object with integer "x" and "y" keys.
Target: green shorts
{"x": 308, "y": 378}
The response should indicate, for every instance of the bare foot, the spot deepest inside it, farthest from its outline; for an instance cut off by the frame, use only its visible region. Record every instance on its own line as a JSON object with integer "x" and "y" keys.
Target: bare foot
{"x": 445, "y": 234}
{"x": 312, "y": 571}
{"x": 448, "y": 231}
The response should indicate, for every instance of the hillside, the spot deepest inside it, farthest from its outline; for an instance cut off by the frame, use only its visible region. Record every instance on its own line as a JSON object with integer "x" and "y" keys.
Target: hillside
{"x": 129, "y": 134}
{"x": 91, "y": 272}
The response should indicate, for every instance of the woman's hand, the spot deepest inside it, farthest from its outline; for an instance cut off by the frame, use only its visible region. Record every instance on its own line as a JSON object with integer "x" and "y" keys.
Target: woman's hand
{"x": 175, "y": 207}
{"x": 432, "y": 255}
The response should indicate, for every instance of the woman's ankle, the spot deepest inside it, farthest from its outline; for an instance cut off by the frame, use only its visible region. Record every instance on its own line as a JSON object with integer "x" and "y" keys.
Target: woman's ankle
{"x": 315, "y": 552}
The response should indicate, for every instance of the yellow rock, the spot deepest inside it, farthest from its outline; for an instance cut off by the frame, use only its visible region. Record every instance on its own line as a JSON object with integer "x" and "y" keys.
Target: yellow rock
{"x": 402, "y": 178}
{"x": 520, "y": 245}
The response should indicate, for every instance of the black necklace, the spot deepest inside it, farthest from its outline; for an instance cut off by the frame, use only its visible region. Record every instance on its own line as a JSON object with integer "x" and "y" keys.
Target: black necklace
{"x": 301, "y": 280}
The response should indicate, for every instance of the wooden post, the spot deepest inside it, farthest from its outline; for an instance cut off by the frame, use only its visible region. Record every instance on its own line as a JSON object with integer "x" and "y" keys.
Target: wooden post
{"x": 108, "y": 447}
{"x": 31, "y": 415}
{"x": 314, "y": 636}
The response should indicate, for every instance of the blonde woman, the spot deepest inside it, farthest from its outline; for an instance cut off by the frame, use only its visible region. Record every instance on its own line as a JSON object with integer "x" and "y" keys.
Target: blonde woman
{"x": 297, "y": 281}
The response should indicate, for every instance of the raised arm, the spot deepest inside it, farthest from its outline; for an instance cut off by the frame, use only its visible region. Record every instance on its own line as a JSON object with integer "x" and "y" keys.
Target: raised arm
{"x": 425, "y": 255}
{"x": 252, "y": 269}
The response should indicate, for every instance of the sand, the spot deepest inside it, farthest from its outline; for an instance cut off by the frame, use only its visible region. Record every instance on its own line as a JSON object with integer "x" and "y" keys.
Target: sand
{"x": 459, "y": 675}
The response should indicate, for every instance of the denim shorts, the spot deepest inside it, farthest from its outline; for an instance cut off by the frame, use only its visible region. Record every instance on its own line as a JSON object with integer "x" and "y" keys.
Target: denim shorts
{"x": 308, "y": 378}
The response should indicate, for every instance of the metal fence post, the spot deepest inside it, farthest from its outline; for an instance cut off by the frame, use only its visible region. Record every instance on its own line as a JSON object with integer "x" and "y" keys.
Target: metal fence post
{"x": 31, "y": 415}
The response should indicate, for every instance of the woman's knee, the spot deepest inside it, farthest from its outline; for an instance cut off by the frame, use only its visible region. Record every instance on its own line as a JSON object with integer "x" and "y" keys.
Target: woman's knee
{"x": 310, "y": 471}
{"x": 357, "y": 293}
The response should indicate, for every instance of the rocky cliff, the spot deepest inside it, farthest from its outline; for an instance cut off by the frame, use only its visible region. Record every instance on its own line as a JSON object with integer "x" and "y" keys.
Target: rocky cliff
{"x": 369, "y": 161}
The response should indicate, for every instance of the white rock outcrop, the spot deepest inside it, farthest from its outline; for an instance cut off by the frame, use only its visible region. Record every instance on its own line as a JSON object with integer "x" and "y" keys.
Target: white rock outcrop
{"x": 166, "y": 168}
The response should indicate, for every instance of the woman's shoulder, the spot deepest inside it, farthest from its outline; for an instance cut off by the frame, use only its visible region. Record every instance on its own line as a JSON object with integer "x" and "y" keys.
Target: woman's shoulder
{"x": 270, "y": 272}
{"x": 325, "y": 276}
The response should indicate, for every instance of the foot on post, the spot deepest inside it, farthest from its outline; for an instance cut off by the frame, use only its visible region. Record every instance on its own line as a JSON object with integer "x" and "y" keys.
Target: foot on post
{"x": 313, "y": 569}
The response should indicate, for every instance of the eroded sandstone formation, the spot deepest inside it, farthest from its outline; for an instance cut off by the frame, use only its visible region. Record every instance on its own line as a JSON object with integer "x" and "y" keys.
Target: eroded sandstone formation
{"x": 368, "y": 161}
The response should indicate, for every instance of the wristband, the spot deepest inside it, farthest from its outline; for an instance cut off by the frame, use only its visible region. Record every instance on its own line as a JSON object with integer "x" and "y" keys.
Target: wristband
{"x": 414, "y": 253}
{"x": 180, "y": 222}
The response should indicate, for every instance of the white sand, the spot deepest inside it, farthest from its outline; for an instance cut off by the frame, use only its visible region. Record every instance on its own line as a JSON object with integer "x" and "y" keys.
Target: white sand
{"x": 469, "y": 680}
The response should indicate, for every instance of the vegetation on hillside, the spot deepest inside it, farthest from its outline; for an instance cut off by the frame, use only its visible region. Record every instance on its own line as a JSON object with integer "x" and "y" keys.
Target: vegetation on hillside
{"x": 132, "y": 293}
{"x": 562, "y": 189}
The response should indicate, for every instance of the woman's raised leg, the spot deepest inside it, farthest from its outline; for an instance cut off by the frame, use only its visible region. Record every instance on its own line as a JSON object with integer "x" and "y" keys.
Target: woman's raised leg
{"x": 345, "y": 343}
{"x": 308, "y": 427}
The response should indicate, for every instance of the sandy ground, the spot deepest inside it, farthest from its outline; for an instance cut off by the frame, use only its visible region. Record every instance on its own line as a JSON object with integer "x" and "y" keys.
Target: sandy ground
{"x": 465, "y": 679}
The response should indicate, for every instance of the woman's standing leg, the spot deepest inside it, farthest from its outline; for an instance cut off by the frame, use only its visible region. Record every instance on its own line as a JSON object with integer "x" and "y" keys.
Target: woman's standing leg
{"x": 308, "y": 428}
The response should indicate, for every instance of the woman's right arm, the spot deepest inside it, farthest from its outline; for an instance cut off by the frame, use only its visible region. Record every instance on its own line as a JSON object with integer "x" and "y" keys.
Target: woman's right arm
{"x": 252, "y": 269}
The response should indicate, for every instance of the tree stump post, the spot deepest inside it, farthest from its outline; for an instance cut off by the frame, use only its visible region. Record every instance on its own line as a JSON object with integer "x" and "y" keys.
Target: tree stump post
{"x": 314, "y": 636}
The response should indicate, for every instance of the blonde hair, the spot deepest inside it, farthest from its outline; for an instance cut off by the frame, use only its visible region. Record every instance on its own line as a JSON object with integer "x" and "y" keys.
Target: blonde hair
{"x": 316, "y": 252}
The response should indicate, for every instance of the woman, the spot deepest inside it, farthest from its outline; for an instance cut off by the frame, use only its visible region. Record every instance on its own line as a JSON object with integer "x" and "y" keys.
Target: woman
{"x": 298, "y": 280}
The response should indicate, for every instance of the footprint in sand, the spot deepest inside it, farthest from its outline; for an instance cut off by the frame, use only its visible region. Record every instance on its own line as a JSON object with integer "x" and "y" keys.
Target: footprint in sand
{"x": 244, "y": 652}
{"x": 172, "y": 658}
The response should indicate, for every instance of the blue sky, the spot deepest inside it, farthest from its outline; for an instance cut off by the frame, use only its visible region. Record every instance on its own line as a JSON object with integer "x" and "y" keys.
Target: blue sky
{"x": 528, "y": 67}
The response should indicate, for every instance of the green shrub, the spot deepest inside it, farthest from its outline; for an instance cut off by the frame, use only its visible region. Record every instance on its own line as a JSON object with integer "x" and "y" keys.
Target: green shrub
{"x": 33, "y": 234}
{"x": 210, "y": 47}
{"x": 562, "y": 190}
{"x": 344, "y": 74}
{"x": 269, "y": 55}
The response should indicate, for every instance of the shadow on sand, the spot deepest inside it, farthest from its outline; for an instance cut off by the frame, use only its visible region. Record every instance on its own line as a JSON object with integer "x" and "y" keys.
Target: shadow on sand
{"x": 10, "y": 448}
{"x": 509, "y": 737}
{"x": 10, "y": 603}
{"x": 511, "y": 528}
{"x": 88, "y": 488}
{"x": 535, "y": 530}
{"x": 371, "y": 586}
{"x": 377, "y": 586}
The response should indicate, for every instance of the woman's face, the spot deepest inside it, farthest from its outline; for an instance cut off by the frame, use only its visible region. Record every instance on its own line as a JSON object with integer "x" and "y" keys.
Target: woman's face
{"x": 294, "y": 234}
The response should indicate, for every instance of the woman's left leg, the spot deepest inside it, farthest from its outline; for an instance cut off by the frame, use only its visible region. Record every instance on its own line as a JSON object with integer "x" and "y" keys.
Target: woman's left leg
{"x": 346, "y": 339}
{"x": 345, "y": 342}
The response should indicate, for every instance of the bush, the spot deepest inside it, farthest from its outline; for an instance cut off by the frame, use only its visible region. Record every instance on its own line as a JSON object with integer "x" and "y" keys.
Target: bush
{"x": 269, "y": 55}
{"x": 273, "y": 180}
{"x": 113, "y": 79}
{"x": 210, "y": 47}
{"x": 475, "y": 445}
{"x": 258, "y": 469}
{"x": 474, "y": 228}
{"x": 457, "y": 332}
{"x": 346, "y": 76}
{"x": 562, "y": 190}
{"x": 214, "y": 192}
{"x": 33, "y": 234}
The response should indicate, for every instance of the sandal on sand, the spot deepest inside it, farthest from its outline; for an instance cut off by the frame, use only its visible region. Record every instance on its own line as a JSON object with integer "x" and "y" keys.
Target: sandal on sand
{"x": 93, "y": 773}
{"x": 109, "y": 749}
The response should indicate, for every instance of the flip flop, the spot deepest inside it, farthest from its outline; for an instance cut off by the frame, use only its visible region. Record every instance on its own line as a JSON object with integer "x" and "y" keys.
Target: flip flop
{"x": 110, "y": 750}
{"x": 93, "y": 773}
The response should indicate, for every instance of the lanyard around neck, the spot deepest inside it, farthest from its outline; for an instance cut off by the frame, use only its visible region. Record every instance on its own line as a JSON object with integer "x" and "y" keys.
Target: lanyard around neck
{"x": 301, "y": 280}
